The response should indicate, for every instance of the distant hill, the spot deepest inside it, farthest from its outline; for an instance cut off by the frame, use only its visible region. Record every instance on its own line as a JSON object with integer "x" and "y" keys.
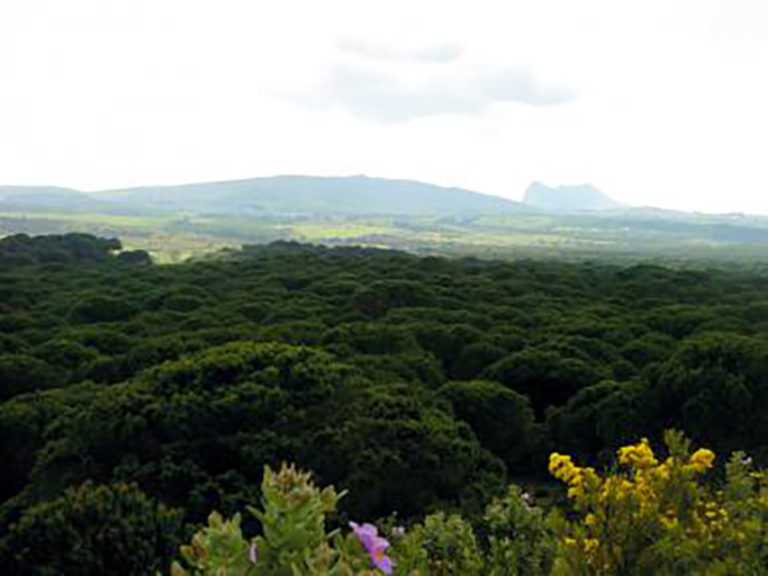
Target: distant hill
{"x": 568, "y": 198}
{"x": 44, "y": 197}
{"x": 54, "y": 199}
{"x": 313, "y": 195}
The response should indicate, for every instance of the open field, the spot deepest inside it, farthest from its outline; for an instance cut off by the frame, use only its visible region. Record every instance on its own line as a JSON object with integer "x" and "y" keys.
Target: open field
{"x": 571, "y": 236}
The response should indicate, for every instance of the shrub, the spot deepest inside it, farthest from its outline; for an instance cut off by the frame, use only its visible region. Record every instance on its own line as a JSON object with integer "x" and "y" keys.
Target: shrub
{"x": 441, "y": 546}
{"x": 654, "y": 516}
{"x": 519, "y": 541}
{"x": 92, "y": 530}
{"x": 649, "y": 516}
{"x": 294, "y": 541}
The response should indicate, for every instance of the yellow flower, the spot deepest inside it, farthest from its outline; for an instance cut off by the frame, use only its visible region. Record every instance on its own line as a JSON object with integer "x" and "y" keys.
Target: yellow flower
{"x": 578, "y": 479}
{"x": 590, "y": 545}
{"x": 576, "y": 492}
{"x": 663, "y": 471}
{"x": 701, "y": 460}
{"x": 638, "y": 455}
{"x": 562, "y": 467}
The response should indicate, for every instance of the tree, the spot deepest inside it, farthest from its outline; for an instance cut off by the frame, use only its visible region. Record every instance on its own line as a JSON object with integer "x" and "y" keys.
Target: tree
{"x": 501, "y": 418}
{"x": 102, "y": 309}
{"x": 545, "y": 377}
{"x": 20, "y": 373}
{"x": 714, "y": 388}
{"x": 600, "y": 418}
{"x": 377, "y": 299}
{"x": 475, "y": 358}
{"x": 93, "y": 530}
{"x": 135, "y": 257}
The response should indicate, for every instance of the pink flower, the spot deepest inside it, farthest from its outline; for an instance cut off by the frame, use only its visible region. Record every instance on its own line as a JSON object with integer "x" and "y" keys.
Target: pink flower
{"x": 368, "y": 535}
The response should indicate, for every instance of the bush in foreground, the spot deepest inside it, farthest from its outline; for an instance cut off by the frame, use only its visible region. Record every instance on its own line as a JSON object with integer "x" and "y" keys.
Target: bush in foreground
{"x": 663, "y": 516}
{"x": 651, "y": 515}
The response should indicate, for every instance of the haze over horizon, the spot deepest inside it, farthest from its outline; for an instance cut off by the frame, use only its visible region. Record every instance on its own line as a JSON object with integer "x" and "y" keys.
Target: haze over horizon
{"x": 659, "y": 104}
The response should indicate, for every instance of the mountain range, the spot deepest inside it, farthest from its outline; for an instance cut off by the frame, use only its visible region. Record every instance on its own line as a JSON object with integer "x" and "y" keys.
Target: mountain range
{"x": 279, "y": 195}
{"x": 301, "y": 195}
{"x": 177, "y": 222}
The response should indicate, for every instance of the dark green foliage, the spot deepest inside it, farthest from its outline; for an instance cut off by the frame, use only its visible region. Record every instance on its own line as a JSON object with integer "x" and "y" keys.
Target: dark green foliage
{"x": 21, "y": 249}
{"x": 368, "y": 338}
{"x": 414, "y": 382}
{"x": 652, "y": 347}
{"x": 475, "y": 358}
{"x": 135, "y": 257}
{"x": 182, "y": 303}
{"x": 64, "y": 354}
{"x": 102, "y": 339}
{"x": 197, "y": 432}
{"x": 382, "y": 296}
{"x": 102, "y": 309}
{"x": 500, "y": 418}
{"x": 715, "y": 388}
{"x": 20, "y": 373}
{"x": 547, "y": 378}
{"x": 22, "y": 424}
{"x": 446, "y": 343}
{"x": 425, "y": 456}
{"x": 10, "y": 345}
{"x": 679, "y": 320}
{"x": 91, "y": 531}
{"x": 598, "y": 419}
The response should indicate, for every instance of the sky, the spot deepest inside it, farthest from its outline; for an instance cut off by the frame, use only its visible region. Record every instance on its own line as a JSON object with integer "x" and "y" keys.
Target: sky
{"x": 659, "y": 102}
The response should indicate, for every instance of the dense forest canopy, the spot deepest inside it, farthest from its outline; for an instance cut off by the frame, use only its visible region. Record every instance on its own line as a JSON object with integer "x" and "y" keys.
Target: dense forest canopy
{"x": 414, "y": 382}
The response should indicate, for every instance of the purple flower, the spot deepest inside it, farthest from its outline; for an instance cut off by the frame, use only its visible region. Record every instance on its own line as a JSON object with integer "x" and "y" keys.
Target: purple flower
{"x": 254, "y": 553}
{"x": 376, "y": 546}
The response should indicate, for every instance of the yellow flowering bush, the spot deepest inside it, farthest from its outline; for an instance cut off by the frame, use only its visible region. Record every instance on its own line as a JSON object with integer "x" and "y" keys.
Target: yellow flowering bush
{"x": 662, "y": 516}
{"x": 653, "y": 514}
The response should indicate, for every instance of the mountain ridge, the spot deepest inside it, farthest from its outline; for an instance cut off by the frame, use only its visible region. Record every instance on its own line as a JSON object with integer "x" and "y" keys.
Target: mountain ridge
{"x": 294, "y": 194}
{"x": 56, "y": 198}
{"x": 313, "y": 195}
{"x": 575, "y": 197}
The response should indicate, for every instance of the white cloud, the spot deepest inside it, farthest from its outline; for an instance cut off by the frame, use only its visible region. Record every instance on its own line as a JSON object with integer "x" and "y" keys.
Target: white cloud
{"x": 378, "y": 96}
{"x": 431, "y": 53}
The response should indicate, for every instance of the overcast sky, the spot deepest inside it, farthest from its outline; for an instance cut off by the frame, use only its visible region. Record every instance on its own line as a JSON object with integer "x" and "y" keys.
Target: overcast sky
{"x": 657, "y": 102}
